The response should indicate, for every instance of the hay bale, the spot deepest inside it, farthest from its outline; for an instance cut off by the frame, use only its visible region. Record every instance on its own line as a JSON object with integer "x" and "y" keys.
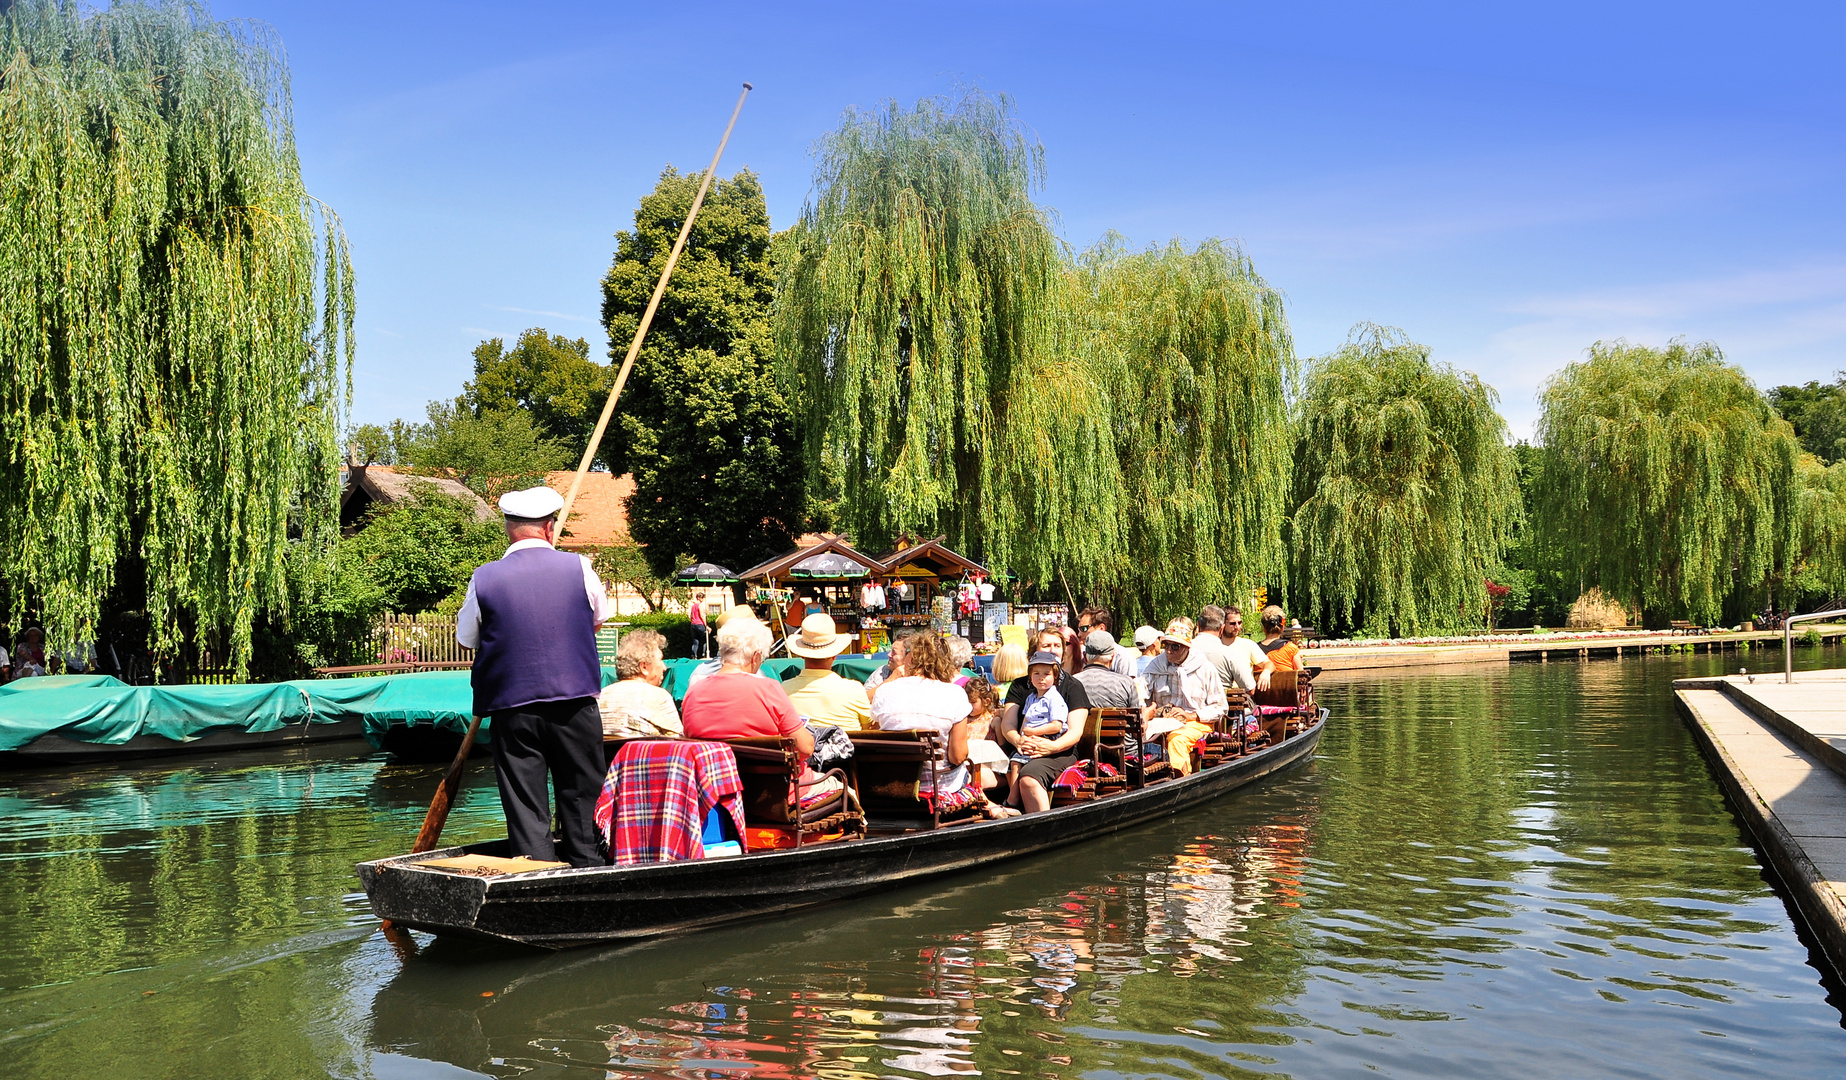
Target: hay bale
{"x": 1593, "y": 609}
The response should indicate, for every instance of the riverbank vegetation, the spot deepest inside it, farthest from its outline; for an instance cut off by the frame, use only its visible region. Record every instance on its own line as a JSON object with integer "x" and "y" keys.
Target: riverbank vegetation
{"x": 176, "y": 327}
{"x": 919, "y": 353}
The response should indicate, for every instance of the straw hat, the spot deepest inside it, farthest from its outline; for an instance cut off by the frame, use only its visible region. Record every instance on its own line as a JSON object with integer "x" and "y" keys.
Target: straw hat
{"x": 817, "y": 639}
{"x": 737, "y": 611}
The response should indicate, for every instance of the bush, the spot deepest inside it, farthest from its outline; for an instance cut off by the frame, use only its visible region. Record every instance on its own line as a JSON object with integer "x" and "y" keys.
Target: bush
{"x": 1811, "y": 638}
{"x": 676, "y": 628}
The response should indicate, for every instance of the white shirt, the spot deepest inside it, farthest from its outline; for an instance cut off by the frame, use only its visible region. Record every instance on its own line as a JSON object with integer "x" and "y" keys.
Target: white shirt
{"x": 913, "y": 703}
{"x": 468, "y": 619}
{"x": 1247, "y": 658}
{"x": 1192, "y": 685}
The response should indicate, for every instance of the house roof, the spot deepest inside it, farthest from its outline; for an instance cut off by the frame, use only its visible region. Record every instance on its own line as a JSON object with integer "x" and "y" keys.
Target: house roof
{"x": 384, "y": 484}
{"x": 933, "y": 556}
{"x": 599, "y": 517}
{"x": 822, "y": 543}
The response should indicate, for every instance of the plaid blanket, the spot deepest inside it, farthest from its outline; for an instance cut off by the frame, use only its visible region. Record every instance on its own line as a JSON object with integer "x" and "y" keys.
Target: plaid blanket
{"x": 657, "y": 794}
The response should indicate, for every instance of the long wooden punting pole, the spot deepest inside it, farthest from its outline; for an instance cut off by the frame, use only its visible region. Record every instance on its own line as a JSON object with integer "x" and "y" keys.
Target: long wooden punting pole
{"x": 438, "y": 814}
{"x": 647, "y": 318}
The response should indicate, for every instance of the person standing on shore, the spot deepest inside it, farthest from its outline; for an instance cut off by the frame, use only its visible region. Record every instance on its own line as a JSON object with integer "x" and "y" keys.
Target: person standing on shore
{"x": 531, "y": 617}
{"x": 701, "y": 630}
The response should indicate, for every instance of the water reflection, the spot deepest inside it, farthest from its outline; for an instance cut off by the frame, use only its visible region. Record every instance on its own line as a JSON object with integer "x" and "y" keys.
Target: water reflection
{"x": 1483, "y": 872}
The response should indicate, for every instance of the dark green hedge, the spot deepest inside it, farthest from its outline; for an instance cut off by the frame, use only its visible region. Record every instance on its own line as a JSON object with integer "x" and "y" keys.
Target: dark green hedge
{"x": 675, "y": 627}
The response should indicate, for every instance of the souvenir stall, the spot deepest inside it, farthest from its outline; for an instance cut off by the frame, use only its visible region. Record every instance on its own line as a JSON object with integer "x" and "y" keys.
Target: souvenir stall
{"x": 926, "y": 584}
{"x": 827, "y": 574}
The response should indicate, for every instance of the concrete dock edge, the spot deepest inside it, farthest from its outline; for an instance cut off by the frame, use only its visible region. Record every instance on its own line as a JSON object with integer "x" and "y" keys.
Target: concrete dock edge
{"x": 1814, "y": 892}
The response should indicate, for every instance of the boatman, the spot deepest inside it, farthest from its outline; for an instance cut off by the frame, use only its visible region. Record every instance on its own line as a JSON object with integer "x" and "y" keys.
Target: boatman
{"x": 531, "y": 618}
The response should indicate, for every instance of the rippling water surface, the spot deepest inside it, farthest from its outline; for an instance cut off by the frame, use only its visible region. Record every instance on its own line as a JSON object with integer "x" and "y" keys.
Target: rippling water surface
{"x": 1513, "y": 871}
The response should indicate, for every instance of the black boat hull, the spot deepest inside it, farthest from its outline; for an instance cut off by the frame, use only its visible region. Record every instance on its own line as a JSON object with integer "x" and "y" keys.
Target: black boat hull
{"x": 55, "y": 749}
{"x": 566, "y": 908}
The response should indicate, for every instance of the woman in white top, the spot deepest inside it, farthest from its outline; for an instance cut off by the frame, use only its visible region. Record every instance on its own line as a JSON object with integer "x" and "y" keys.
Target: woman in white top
{"x": 922, "y": 696}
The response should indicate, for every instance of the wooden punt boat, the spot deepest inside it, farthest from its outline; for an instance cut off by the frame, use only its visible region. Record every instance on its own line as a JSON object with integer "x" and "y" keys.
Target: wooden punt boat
{"x": 563, "y": 908}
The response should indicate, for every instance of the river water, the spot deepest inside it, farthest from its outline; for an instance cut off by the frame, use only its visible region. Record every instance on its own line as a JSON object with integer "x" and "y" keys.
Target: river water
{"x": 1491, "y": 871}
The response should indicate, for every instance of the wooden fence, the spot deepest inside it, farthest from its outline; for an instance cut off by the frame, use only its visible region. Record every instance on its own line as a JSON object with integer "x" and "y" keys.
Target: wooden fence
{"x": 418, "y": 639}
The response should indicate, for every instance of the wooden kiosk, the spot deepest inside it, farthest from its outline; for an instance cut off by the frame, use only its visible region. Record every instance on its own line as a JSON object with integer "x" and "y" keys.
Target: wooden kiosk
{"x": 828, "y": 566}
{"x": 924, "y": 565}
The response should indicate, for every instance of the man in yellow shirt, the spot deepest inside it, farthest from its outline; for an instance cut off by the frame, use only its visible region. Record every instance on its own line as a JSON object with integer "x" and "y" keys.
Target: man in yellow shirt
{"x": 819, "y": 693}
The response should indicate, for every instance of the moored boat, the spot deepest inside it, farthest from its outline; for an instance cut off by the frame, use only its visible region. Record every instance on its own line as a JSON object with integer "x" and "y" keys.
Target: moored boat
{"x": 564, "y": 908}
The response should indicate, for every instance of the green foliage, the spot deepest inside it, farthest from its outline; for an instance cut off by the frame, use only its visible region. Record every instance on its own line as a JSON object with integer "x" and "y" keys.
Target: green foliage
{"x": 408, "y": 557}
{"x": 675, "y": 627}
{"x": 176, "y": 318}
{"x": 421, "y": 550}
{"x": 374, "y": 444}
{"x": 492, "y": 452}
{"x": 1118, "y": 422}
{"x": 1541, "y": 595}
{"x": 702, "y": 424}
{"x": 1818, "y": 415}
{"x": 1666, "y": 478}
{"x": 626, "y": 562}
{"x": 1177, "y": 497}
{"x": 916, "y": 306}
{"x": 1404, "y": 486}
{"x": 552, "y": 378}
{"x": 1820, "y": 561}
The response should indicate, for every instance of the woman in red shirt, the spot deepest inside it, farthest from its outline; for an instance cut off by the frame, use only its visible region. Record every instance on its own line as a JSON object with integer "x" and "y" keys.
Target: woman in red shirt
{"x": 736, "y": 702}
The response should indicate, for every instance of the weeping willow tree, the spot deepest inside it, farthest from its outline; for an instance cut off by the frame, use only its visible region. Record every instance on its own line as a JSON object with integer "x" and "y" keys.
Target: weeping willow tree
{"x": 1666, "y": 478}
{"x": 1099, "y": 425}
{"x": 916, "y": 307}
{"x": 1193, "y": 350}
{"x": 1405, "y": 490}
{"x": 175, "y": 319}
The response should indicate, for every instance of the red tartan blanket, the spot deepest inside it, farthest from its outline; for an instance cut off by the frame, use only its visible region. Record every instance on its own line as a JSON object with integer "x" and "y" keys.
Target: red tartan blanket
{"x": 657, "y": 794}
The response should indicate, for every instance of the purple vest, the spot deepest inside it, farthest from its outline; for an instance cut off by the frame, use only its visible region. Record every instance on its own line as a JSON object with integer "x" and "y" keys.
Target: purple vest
{"x": 538, "y": 634}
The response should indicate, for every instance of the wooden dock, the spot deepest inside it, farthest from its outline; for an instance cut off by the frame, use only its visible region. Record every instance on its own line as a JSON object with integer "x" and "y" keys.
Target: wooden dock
{"x": 1779, "y": 752}
{"x": 1764, "y": 646}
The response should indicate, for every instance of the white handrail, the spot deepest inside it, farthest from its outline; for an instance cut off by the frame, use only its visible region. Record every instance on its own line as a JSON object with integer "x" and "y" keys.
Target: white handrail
{"x": 1788, "y": 639}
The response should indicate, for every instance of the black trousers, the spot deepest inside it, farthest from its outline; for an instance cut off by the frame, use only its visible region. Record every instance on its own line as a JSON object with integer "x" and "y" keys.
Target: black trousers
{"x": 564, "y": 738}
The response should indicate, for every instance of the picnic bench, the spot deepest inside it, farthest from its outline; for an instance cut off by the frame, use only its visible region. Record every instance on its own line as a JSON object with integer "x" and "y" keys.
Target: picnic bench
{"x": 1681, "y": 626}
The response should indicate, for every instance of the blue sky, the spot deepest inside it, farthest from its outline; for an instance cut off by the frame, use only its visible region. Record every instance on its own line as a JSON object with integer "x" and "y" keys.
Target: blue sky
{"x": 1508, "y": 183}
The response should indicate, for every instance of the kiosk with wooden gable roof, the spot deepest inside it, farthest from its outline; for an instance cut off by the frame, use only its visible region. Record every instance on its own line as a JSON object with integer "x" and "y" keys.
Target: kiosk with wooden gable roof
{"x": 924, "y": 566}
{"x": 827, "y": 566}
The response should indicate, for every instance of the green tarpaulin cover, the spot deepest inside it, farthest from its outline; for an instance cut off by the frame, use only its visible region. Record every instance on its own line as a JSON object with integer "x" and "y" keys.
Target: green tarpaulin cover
{"x": 104, "y": 710}
{"x": 97, "y": 712}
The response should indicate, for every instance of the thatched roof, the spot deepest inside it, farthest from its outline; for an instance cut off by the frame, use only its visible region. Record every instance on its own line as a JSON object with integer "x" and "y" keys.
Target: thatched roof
{"x": 369, "y": 484}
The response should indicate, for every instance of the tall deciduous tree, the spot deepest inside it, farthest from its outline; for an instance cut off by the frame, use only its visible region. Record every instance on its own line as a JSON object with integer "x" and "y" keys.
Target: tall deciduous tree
{"x": 1667, "y": 478}
{"x": 917, "y": 304}
{"x": 549, "y": 376}
{"x": 175, "y": 318}
{"x": 1818, "y": 413}
{"x": 703, "y": 425}
{"x": 1819, "y": 564}
{"x": 493, "y": 451}
{"x": 1405, "y": 488}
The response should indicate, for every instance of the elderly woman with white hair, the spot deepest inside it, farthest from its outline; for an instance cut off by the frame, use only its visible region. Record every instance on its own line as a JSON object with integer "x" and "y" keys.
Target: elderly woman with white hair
{"x": 734, "y": 703}
{"x": 636, "y": 706}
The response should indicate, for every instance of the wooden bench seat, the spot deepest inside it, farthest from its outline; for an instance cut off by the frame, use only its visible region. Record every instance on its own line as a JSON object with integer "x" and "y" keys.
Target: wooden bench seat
{"x": 890, "y": 767}
{"x": 1105, "y": 736}
{"x": 1681, "y": 626}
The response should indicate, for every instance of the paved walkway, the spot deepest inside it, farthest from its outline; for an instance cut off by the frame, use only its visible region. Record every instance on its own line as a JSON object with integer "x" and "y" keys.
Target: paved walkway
{"x": 1552, "y": 647}
{"x": 1779, "y": 751}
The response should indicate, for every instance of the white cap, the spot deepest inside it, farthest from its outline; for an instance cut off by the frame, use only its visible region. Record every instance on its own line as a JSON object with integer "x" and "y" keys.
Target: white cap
{"x": 532, "y": 503}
